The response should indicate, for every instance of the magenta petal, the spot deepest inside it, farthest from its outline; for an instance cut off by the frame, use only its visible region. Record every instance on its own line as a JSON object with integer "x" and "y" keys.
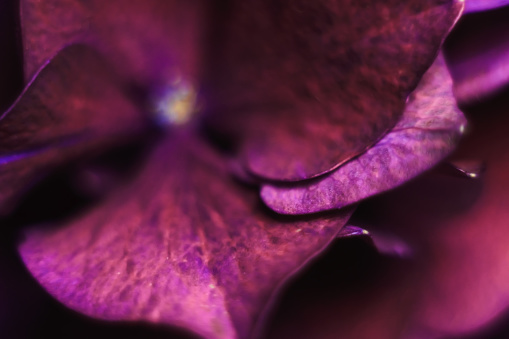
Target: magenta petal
{"x": 428, "y": 131}
{"x": 73, "y": 106}
{"x": 307, "y": 85}
{"x": 150, "y": 41}
{"x": 183, "y": 245}
{"x": 477, "y": 53}
{"x": 482, "y": 5}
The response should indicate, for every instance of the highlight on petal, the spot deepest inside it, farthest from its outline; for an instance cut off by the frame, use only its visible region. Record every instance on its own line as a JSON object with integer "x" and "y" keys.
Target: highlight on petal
{"x": 483, "y": 5}
{"x": 72, "y": 107}
{"x": 473, "y": 169}
{"x": 427, "y": 132}
{"x": 307, "y": 85}
{"x": 184, "y": 245}
{"x": 352, "y": 231}
{"x": 477, "y": 53}
{"x": 150, "y": 41}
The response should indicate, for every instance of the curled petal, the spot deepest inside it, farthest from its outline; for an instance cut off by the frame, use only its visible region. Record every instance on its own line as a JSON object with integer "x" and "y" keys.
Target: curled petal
{"x": 183, "y": 245}
{"x": 477, "y": 53}
{"x": 427, "y": 132}
{"x": 73, "y": 106}
{"x": 307, "y": 85}
{"x": 151, "y": 41}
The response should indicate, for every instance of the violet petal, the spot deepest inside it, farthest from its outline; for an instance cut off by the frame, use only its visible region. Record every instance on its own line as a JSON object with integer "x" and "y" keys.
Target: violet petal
{"x": 426, "y": 133}
{"x": 477, "y": 53}
{"x": 73, "y": 106}
{"x": 183, "y": 245}
{"x": 151, "y": 41}
{"x": 483, "y": 5}
{"x": 308, "y": 85}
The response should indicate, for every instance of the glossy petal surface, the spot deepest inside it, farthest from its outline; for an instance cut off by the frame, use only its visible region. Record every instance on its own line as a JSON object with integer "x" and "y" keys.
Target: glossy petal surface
{"x": 151, "y": 41}
{"x": 477, "y": 53}
{"x": 308, "y": 85}
{"x": 426, "y": 133}
{"x": 455, "y": 283}
{"x": 483, "y": 5}
{"x": 73, "y": 106}
{"x": 183, "y": 245}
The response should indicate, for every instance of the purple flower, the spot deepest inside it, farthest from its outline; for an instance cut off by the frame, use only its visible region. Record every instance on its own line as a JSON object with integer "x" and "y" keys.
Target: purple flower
{"x": 312, "y": 106}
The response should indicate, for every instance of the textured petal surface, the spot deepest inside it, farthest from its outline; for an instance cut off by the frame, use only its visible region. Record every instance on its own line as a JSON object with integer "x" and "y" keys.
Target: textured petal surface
{"x": 482, "y": 5}
{"x": 455, "y": 283}
{"x": 74, "y": 105}
{"x": 478, "y": 54}
{"x": 184, "y": 245}
{"x": 308, "y": 85}
{"x": 427, "y": 132}
{"x": 151, "y": 41}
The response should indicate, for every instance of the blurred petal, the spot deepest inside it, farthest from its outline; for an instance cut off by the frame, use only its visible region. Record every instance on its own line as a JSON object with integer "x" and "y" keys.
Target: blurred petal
{"x": 150, "y": 41}
{"x": 308, "y": 85}
{"x": 457, "y": 280}
{"x": 482, "y": 5}
{"x": 183, "y": 245}
{"x": 74, "y": 105}
{"x": 467, "y": 252}
{"x": 427, "y": 132}
{"x": 477, "y": 53}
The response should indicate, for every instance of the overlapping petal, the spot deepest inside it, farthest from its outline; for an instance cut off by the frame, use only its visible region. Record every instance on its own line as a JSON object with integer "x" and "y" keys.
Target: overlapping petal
{"x": 75, "y": 105}
{"x": 456, "y": 281}
{"x": 427, "y": 132}
{"x": 478, "y": 55}
{"x": 151, "y": 42}
{"x": 183, "y": 245}
{"x": 307, "y": 86}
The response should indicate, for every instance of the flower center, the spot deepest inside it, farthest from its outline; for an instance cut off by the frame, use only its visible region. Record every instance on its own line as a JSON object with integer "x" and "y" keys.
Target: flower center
{"x": 176, "y": 104}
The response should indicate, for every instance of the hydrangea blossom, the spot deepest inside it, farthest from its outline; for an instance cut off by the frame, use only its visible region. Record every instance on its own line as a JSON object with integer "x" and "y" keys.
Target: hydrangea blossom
{"x": 321, "y": 105}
